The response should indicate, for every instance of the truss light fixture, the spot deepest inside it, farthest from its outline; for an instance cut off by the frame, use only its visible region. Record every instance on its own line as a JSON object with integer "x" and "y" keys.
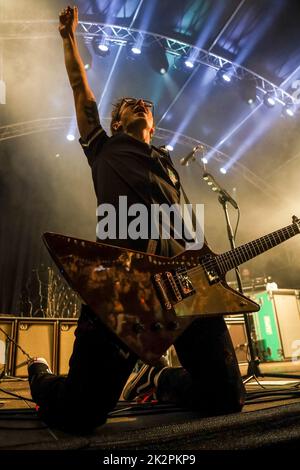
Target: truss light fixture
{"x": 225, "y": 74}
{"x": 103, "y": 47}
{"x": 70, "y": 137}
{"x": 223, "y": 170}
{"x": 136, "y": 50}
{"x": 289, "y": 111}
{"x": 189, "y": 64}
{"x": 183, "y": 63}
{"x": 289, "y": 108}
{"x": 226, "y": 77}
{"x": 100, "y": 47}
{"x": 269, "y": 100}
{"x": 170, "y": 147}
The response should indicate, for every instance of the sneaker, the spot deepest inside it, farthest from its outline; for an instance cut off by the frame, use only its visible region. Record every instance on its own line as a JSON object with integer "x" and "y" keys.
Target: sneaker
{"x": 37, "y": 366}
{"x": 143, "y": 383}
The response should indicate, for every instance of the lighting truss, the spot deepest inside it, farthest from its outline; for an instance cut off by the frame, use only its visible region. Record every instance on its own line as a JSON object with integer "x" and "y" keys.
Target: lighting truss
{"x": 121, "y": 35}
{"x": 13, "y": 131}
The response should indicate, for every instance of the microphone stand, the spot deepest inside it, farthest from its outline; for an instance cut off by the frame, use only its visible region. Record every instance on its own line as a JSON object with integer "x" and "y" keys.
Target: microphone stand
{"x": 253, "y": 371}
{"x": 253, "y": 365}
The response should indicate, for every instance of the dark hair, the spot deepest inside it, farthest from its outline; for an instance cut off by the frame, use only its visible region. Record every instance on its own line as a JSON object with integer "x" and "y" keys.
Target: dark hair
{"x": 115, "y": 114}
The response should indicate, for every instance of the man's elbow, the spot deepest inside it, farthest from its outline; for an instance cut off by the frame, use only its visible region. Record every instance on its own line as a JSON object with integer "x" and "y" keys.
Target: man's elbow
{"x": 82, "y": 90}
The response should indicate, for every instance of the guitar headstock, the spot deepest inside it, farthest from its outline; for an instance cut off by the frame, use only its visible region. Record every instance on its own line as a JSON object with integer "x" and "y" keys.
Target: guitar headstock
{"x": 296, "y": 221}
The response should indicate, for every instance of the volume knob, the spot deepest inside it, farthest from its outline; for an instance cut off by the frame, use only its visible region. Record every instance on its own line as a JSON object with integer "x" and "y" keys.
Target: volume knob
{"x": 157, "y": 326}
{"x": 173, "y": 325}
{"x": 137, "y": 327}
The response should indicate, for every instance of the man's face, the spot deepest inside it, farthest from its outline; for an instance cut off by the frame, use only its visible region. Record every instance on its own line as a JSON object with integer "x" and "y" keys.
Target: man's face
{"x": 136, "y": 112}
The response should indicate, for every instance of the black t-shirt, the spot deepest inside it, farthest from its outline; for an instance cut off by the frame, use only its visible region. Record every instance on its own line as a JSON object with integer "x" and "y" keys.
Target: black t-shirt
{"x": 124, "y": 166}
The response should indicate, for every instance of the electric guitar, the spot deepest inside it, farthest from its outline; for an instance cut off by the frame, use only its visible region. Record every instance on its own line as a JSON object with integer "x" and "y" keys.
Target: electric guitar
{"x": 149, "y": 300}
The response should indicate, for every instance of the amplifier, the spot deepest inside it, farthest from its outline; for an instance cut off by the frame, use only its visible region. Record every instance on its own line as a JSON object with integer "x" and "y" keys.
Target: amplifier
{"x": 42, "y": 337}
{"x": 277, "y": 324}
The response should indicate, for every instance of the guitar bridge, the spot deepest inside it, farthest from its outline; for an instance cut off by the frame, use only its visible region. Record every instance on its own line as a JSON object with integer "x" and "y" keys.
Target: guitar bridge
{"x": 210, "y": 268}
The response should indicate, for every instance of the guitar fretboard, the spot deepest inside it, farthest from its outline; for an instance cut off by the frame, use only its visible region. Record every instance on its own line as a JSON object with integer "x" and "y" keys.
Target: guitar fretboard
{"x": 243, "y": 253}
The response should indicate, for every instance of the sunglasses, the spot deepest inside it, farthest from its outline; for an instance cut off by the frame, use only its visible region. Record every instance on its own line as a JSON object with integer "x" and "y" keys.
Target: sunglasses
{"x": 132, "y": 102}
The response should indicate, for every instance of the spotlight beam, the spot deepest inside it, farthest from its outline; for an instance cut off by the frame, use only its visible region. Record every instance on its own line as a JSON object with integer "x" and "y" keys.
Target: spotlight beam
{"x": 117, "y": 57}
{"x": 240, "y": 152}
{"x": 179, "y": 94}
{"x": 226, "y": 25}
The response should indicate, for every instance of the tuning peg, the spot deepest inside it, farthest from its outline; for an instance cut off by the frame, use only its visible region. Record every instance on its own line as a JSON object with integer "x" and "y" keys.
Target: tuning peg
{"x": 295, "y": 219}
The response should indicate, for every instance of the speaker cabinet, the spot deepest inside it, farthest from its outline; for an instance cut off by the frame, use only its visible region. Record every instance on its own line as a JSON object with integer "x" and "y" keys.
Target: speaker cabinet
{"x": 38, "y": 339}
{"x": 65, "y": 345}
{"x": 6, "y": 349}
{"x": 237, "y": 331}
{"x": 287, "y": 309}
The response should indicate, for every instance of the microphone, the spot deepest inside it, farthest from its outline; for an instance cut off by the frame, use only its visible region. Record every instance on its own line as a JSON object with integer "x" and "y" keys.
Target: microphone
{"x": 224, "y": 195}
{"x": 184, "y": 161}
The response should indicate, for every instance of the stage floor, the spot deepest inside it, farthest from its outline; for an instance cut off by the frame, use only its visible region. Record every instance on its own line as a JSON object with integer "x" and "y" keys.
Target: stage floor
{"x": 266, "y": 422}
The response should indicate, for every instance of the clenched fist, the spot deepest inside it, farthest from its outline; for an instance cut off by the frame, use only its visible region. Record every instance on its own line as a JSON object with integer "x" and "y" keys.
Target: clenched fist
{"x": 68, "y": 21}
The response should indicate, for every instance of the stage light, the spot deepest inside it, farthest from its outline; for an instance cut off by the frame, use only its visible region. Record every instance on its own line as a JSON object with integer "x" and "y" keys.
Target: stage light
{"x": 189, "y": 64}
{"x": 289, "y": 111}
{"x": 183, "y": 63}
{"x": 70, "y": 137}
{"x": 269, "y": 100}
{"x": 223, "y": 170}
{"x": 204, "y": 160}
{"x": 170, "y": 147}
{"x": 226, "y": 77}
{"x": 103, "y": 47}
{"x": 289, "y": 108}
{"x": 136, "y": 50}
{"x": 100, "y": 47}
{"x": 225, "y": 74}
{"x": 162, "y": 71}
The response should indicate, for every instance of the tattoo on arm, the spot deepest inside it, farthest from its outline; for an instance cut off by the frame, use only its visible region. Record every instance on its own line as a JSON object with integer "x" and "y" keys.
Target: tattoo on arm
{"x": 91, "y": 112}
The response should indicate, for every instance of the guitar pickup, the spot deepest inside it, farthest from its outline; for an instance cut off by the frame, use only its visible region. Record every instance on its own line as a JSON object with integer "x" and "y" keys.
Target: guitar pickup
{"x": 174, "y": 287}
{"x": 162, "y": 291}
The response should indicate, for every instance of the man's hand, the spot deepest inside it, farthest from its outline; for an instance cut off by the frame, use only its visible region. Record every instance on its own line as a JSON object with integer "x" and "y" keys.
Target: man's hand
{"x": 68, "y": 21}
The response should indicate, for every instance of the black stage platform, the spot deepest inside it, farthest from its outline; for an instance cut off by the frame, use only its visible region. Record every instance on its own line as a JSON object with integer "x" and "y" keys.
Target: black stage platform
{"x": 267, "y": 423}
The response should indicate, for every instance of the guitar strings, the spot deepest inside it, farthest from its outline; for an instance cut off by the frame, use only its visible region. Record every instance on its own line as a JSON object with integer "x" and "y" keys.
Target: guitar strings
{"x": 226, "y": 257}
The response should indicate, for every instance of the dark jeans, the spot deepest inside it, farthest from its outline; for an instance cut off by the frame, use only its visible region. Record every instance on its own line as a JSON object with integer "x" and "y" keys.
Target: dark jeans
{"x": 100, "y": 365}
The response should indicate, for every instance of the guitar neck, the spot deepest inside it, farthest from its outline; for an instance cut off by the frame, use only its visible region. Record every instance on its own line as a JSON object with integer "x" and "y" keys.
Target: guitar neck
{"x": 243, "y": 253}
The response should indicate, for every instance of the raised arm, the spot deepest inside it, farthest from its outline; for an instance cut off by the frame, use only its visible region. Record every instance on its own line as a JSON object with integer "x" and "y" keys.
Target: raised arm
{"x": 85, "y": 102}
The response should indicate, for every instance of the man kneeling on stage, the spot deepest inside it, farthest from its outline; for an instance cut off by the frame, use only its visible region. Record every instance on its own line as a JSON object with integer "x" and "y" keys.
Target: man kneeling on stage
{"x": 126, "y": 164}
